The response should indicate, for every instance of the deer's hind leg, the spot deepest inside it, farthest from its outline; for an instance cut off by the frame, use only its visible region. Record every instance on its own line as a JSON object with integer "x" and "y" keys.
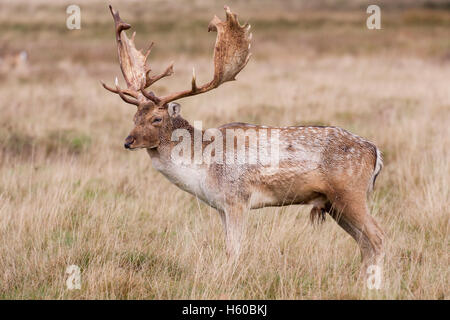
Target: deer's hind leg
{"x": 351, "y": 213}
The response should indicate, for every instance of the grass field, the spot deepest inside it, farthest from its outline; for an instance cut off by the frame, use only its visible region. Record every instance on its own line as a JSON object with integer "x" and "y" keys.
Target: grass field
{"x": 71, "y": 194}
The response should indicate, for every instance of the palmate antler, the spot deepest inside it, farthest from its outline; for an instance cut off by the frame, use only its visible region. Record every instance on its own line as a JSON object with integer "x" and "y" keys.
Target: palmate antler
{"x": 231, "y": 54}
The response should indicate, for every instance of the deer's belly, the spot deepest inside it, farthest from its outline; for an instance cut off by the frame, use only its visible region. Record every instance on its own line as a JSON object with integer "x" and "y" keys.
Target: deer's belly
{"x": 272, "y": 199}
{"x": 262, "y": 198}
{"x": 286, "y": 186}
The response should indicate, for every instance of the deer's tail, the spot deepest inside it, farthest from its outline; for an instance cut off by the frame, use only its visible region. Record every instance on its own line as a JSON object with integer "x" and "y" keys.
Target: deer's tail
{"x": 377, "y": 169}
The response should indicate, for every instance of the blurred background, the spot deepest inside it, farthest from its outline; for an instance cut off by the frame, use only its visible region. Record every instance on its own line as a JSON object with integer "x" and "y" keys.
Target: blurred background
{"x": 70, "y": 193}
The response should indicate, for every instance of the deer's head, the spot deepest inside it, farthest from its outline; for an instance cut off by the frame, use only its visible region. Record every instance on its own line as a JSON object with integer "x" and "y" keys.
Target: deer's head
{"x": 155, "y": 115}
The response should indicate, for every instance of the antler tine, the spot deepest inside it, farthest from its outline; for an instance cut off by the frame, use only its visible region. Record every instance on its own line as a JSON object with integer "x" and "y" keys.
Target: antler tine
{"x": 149, "y": 49}
{"x": 119, "y": 24}
{"x": 193, "y": 83}
{"x": 123, "y": 96}
{"x": 166, "y": 73}
{"x": 151, "y": 96}
{"x": 125, "y": 91}
{"x": 231, "y": 54}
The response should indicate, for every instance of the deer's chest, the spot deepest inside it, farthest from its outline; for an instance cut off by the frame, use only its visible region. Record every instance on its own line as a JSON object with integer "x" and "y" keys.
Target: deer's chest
{"x": 191, "y": 179}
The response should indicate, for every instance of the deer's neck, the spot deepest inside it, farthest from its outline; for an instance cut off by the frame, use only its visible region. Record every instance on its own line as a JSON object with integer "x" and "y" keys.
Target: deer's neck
{"x": 161, "y": 156}
{"x": 187, "y": 176}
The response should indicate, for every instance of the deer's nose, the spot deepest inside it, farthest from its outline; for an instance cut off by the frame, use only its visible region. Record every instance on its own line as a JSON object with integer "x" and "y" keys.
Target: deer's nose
{"x": 128, "y": 142}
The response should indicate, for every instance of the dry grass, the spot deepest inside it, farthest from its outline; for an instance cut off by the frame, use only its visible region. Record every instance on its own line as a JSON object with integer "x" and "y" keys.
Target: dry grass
{"x": 70, "y": 193}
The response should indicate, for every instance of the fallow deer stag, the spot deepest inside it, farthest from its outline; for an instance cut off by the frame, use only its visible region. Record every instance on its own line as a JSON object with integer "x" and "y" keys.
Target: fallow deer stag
{"x": 327, "y": 167}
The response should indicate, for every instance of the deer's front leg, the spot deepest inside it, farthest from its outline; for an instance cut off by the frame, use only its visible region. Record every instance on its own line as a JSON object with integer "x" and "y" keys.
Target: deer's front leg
{"x": 234, "y": 228}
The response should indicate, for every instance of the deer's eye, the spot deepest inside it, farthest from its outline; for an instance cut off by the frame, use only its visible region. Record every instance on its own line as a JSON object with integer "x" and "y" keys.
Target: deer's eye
{"x": 156, "y": 120}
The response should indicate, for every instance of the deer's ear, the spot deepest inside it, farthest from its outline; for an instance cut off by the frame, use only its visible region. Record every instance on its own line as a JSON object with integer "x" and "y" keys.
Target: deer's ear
{"x": 174, "y": 109}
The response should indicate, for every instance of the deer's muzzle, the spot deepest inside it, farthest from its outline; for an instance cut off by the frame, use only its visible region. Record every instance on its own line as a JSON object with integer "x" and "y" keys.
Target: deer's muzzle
{"x": 128, "y": 142}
